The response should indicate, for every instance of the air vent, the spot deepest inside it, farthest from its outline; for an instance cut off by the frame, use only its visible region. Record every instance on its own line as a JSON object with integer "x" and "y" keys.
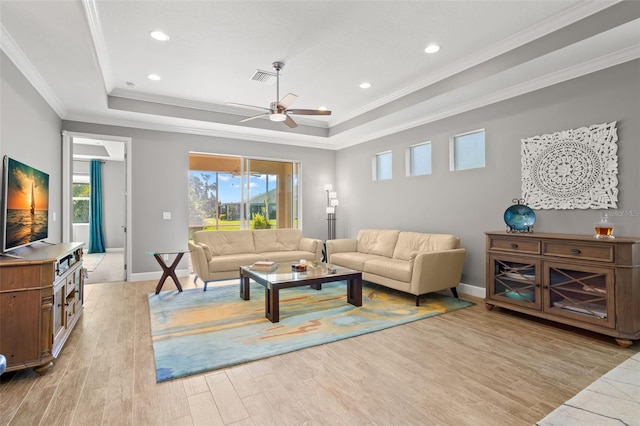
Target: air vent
{"x": 265, "y": 77}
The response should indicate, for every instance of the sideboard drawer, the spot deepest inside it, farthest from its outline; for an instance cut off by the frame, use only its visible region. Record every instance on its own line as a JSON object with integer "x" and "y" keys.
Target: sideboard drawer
{"x": 599, "y": 252}
{"x": 20, "y": 277}
{"x": 514, "y": 245}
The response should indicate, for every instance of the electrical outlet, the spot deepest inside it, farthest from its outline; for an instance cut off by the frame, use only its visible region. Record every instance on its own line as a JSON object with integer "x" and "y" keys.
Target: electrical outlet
{"x": 165, "y": 257}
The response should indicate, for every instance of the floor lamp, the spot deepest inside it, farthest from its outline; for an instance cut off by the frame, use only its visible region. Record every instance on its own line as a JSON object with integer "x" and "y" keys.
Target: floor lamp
{"x": 332, "y": 203}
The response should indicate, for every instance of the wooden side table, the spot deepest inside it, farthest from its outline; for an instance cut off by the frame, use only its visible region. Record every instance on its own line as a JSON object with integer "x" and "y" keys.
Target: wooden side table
{"x": 168, "y": 271}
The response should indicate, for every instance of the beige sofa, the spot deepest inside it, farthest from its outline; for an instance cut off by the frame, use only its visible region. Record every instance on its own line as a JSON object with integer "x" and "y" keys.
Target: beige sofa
{"x": 412, "y": 262}
{"x": 218, "y": 255}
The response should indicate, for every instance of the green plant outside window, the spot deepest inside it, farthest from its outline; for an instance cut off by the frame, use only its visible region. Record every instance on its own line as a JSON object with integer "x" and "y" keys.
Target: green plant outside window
{"x": 81, "y": 193}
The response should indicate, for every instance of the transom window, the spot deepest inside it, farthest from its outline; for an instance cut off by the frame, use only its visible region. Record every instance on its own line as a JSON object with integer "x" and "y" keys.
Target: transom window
{"x": 467, "y": 151}
{"x": 382, "y": 166}
{"x": 418, "y": 159}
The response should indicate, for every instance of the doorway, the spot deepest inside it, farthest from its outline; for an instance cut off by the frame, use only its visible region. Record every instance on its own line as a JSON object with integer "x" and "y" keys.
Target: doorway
{"x": 79, "y": 150}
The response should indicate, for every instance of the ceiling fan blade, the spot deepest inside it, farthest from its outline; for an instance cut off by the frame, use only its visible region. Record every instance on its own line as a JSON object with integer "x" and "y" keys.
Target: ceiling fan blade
{"x": 309, "y": 111}
{"x": 255, "y": 116}
{"x": 287, "y": 101}
{"x": 289, "y": 122}
{"x": 247, "y": 106}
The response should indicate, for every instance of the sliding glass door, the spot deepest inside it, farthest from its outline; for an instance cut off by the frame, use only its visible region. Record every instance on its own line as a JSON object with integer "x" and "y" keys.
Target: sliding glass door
{"x": 230, "y": 193}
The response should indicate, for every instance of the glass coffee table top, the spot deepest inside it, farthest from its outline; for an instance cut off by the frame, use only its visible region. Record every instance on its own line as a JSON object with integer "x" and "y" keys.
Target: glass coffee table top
{"x": 285, "y": 273}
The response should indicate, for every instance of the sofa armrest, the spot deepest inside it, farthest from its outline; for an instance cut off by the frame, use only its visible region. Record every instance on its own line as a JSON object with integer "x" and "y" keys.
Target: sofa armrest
{"x": 341, "y": 245}
{"x": 199, "y": 261}
{"x": 438, "y": 270}
{"x": 313, "y": 245}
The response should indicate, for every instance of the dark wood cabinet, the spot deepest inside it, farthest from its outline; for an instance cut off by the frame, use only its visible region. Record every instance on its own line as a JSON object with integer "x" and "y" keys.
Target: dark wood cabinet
{"x": 40, "y": 303}
{"x": 573, "y": 279}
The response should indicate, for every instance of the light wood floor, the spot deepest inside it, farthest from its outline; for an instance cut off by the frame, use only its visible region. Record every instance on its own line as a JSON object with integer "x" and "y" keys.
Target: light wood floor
{"x": 469, "y": 367}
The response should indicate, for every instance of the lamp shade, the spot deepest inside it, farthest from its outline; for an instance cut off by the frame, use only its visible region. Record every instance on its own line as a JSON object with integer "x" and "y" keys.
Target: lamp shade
{"x": 334, "y": 202}
{"x": 333, "y": 194}
{"x": 328, "y": 187}
{"x": 331, "y": 210}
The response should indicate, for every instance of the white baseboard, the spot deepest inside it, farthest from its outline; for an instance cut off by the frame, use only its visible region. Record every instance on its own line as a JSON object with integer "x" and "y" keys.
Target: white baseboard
{"x": 115, "y": 249}
{"x": 472, "y": 290}
{"x": 147, "y": 276}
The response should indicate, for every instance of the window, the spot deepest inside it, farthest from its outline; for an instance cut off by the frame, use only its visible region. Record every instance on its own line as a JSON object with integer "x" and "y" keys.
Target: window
{"x": 467, "y": 151}
{"x": 231, "y": 193}
{"x": 382, "y": 169}
{"x": 418, "y": 160}
{"x": 81, "y": 193}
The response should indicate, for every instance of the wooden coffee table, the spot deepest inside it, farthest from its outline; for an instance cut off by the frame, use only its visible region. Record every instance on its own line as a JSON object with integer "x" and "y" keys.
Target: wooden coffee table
{"x": 285, "y": 277}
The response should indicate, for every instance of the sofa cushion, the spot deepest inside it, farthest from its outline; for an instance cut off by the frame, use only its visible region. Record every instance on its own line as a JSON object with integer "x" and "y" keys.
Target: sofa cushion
{"x": 206, "y": 249}
{"x": 309, "y": 244}
{"x": 226, "y": 242}
{"x": 380, "y": 242}
{"x": 411, "y": 243}
{"x": 395, "y": 269}
{"x": 276, "y": 239}
{"x": 233, "y": 262}
{"x": 352, "y": 260}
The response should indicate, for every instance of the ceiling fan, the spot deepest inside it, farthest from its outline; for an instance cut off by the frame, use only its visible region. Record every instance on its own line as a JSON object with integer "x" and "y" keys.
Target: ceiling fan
{"x": 279, "y": 110}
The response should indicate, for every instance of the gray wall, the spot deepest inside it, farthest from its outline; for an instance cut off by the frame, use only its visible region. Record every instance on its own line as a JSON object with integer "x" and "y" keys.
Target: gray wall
{"x": 466, "y": 203}
{"x": 30, "y": 132}
{"x": 159, "y": 181}
{"x": 469, "y": 202}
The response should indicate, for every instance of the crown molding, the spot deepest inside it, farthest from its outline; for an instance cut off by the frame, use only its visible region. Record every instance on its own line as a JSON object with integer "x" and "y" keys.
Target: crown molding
{"x": 579, "y": 70}
{"x": 97, "y": 35}
{"x": 20, "y": 60}
{"x": 199, "y": 105}
{"x": 342, "y": 141}
{"x": 543, "y": 28}
{"x": 248, "y": 134}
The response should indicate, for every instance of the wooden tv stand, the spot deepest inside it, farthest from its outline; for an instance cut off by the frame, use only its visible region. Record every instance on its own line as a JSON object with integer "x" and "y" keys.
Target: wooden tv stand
{"x": 41, "y": 298}
{"x": 572, "y": 279}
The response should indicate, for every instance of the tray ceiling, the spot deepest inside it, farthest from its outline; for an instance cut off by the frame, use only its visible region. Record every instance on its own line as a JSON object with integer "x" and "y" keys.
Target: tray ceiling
{"x": 85, "y": 57}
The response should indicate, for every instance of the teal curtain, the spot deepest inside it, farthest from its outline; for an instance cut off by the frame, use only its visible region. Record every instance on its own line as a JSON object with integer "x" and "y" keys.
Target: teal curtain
{"x": 96, "y": 237}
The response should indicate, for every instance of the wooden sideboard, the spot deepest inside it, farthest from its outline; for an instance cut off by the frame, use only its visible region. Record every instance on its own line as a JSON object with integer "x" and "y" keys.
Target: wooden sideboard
{"x": 572, "y": 279}
{"x": 41, "y": 299}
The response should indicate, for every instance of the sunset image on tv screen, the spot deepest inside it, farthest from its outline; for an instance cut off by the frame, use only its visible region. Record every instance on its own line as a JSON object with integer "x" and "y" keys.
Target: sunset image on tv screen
{"x": 27, "y": 204}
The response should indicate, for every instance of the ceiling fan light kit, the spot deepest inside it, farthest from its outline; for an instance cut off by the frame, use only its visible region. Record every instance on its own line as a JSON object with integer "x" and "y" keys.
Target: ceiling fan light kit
{"x": 278, "y": 111}
{"x": 277, "y": 117}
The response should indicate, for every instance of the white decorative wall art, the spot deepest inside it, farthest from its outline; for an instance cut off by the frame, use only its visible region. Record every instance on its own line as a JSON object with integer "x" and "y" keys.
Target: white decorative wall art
{"x": 571, "y": 169}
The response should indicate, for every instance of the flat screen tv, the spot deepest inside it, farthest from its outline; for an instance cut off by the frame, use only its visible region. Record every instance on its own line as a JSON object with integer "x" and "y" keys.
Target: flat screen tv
{"x": 25, "y": 205}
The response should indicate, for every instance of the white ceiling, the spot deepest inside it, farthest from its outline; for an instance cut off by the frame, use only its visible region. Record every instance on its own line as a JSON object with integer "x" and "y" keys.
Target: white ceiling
{"x": 96, "y": 149}
{"x": 80, "y": 55}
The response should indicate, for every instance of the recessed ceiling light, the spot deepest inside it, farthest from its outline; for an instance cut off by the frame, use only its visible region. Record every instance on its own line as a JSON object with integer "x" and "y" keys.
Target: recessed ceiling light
{"x": 432, "y": 48}
{"x": 154, "y": 77}
{"x": 159, "y": 35}
{"x": 365, "y": 85}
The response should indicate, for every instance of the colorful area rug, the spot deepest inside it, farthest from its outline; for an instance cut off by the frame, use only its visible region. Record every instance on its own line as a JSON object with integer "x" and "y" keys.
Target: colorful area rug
{"x": 196, "y": 331}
